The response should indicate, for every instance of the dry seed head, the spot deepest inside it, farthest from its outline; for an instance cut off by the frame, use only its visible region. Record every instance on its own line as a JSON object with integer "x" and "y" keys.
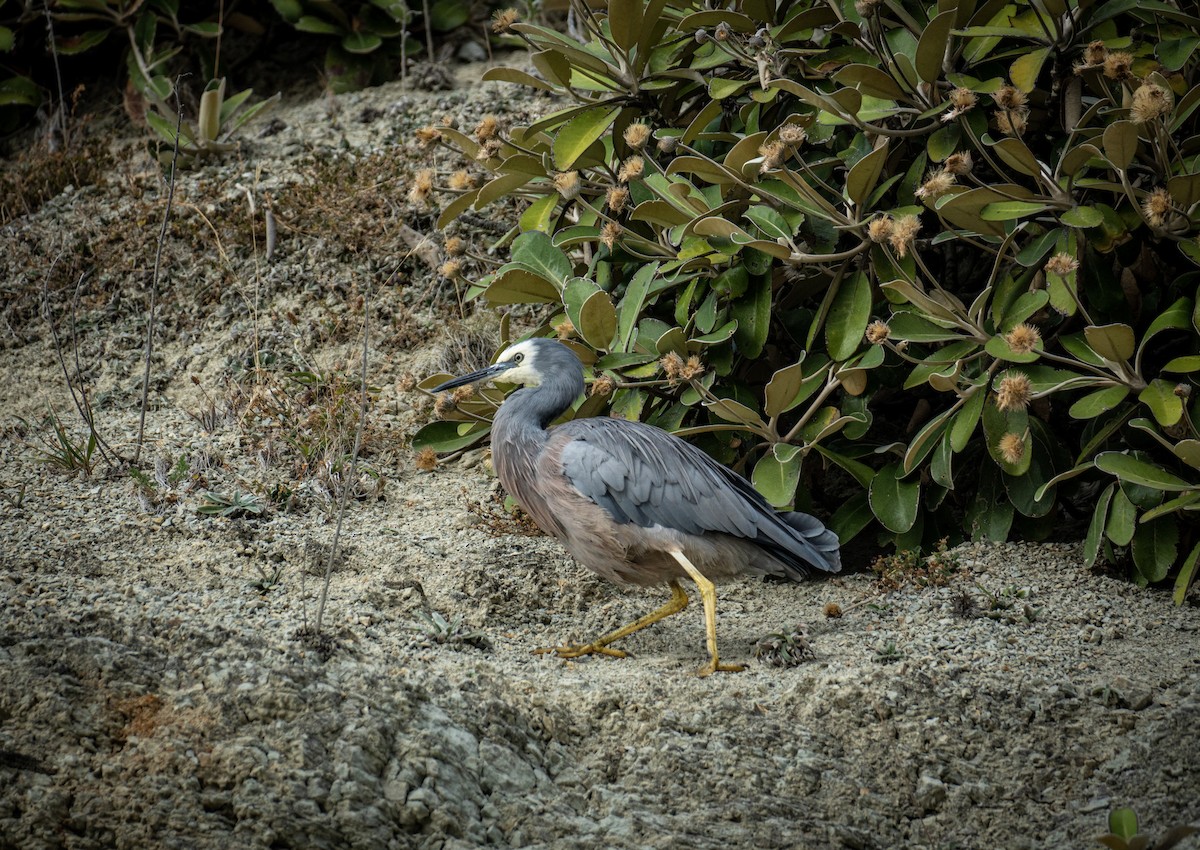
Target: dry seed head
{"x": 565, "y": 329}
{"x": 867, "y": 8}
{"x": 904, "y": 232}
{"x": 724, "y": 31}
{"x": 959, "y": 163}
{"x": 937, "y": 183}
{"x": 427, "y": 136}
{"x": 673, "y": 366}
{"x": 1118, "y": 65}
{"x": 1095, "y": 54}
{"x": 1156, "y": 206}
{"x": 610, "y": 233}
{"x": 1010, "y": 98}
{"x": 1150, "y": 101}
{"x": 426, "y": 460}
{"x": 1012, "y": 447}
{"x": 1011, "y": 123}
{"x": 667, "y": 144}
{"x": 503, "y": 20}
{"x": 422, "y": 186}
{"x": 773, "y": 154}
{"x": 792, "y": 135}
{"x": 567, "y": 183}
{"x": 963, "y": 99}
{"x": 616, "y": 198}
{"x": 1183, "y": 391}
{"x": 456, "y": 246}
{"x": 488, "y": 149}
{"x": 878, "y": 332}
{"x": 1062, "y": 264}
{"x": 406, "y": 383}
{"x": 443, "y": 405}
{"x": 631, "y": 169}
{"x": 450, "y": 269}
{"x": 693, "y": 368}
{"x": 1014, "y": 392}
{"x": 487, "y": 128}
{"x": 1023, "y": 338}
{"x": 833, "y": 610}
{"x": 880, "y": 229}
{"x": 603, "y": 385}
{"x": 461, "y": 394}
{"x": 636, "y": 135}
{"x": 461, "y": 181}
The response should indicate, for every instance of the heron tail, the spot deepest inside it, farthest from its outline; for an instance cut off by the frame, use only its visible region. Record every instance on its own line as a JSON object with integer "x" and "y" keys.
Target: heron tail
{"x": 818, "y": 546}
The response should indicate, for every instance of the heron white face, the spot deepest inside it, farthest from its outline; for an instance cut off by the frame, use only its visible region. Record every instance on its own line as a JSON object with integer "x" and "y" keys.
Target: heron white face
{"x": 525, "y": 370}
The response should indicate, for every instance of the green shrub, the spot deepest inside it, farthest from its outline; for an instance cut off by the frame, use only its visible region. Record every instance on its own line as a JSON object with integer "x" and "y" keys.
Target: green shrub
{"x": 938, "y": 262}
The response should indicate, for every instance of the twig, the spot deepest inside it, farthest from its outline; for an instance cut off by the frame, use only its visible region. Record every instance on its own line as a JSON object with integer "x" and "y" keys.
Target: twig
{"x": 162, "y": 238}
{"x": 428, "y": 32}
{"x": 353, "y": 477}
{"x": 62, "y": 101}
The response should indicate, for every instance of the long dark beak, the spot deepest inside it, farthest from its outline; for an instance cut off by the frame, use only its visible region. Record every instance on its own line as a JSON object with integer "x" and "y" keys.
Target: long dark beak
{"x": 481, "y": 375}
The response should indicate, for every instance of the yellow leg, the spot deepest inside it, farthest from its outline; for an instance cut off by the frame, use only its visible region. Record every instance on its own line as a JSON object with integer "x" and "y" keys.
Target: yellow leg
{"x": 600, "y": 646}
{"x": 708, "y": 593}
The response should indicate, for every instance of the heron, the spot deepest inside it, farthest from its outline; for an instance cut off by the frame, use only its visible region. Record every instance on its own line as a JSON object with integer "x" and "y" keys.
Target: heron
{"x": 633, "y": 503}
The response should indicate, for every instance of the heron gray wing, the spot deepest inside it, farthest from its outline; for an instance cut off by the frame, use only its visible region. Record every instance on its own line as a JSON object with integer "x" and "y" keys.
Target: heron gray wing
{"x": 645, "y": 476}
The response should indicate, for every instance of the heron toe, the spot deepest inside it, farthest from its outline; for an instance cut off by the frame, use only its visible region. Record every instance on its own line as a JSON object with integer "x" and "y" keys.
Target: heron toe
{"x": 715, "y": 666}
{"x": 580, "y": 650}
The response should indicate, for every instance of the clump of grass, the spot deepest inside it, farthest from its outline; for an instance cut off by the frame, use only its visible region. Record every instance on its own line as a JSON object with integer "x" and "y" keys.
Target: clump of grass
{"x": 231, "y": 505}
{"x": 500, "y": 514}
{"x": 35, "y": 176}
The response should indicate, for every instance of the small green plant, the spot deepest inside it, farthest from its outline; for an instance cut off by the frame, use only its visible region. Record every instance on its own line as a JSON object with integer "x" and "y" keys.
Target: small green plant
{"x": 15, "y": 499}
{"x": 218, "y": 119}
{"x": 1123, "y": 833}
{"x": 432, "y": 628}
{"x": 785, "y": 649}
{"x": 65, "y": 452}
{"x": 1010, "y": 605}
{"x": 888, "y": 653}
{"x": 268, "y": 578}
{"x": 219, "y": 504}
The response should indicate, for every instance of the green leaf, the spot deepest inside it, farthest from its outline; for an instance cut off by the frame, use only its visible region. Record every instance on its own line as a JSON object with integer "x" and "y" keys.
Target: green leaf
{"x": 1082, "y": 217}
{"x": 625, "y": 22}
{"x": 1114, "y": 342}
{"x": 447, "y": 15}
{"x": 537, "y": 251}
{"x": 449, "y": 436}
{"x": 851, "y": 517}
{"x": 1024, "y": 72}
{"x": 1175, "y": 53}
{"x": 1120, "y": 143}
{"x": 1098, "y": 402}
{"x": 1155, "y": 546}
{"x": 783, "y": 387}
{"x": 1011, "y": 210}
{"x": 944, "y": 142}
{"x": 512, "y": 75}
{"x": 1123, "y": 823}
{"x": 1128, "y": 468}
{"x": 1186, "y": 574}
{"x": 848, "y": 316}
{"x": 22, "y": 91}
{"x": 999, "y": 348}
{"x": 6, "y": 39}
{"x": 309, "y": 23}
{"x": 931, "y": 48}
{"x": 361, "y": 42}
{"x": 753, "y": 314}
{"x": 1188, "y": 451}
{"x": 1160, "y": 397}
{"x": 1183, "y": 365}
{"x": 776, "y": 479}
{"x": 1095, "y": 535}
{"x": 517, "y": 285}
{"x": 865, "y": 174}
{"x": 1122, "y": 518}
{"x": 580, "y": 133}
{"x": 894, "y": 501}
{"x": 967, "y": 419}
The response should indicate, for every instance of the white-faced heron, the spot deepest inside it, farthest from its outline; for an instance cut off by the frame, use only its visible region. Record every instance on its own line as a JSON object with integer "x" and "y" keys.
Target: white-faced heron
{"x": 633, "y": 503}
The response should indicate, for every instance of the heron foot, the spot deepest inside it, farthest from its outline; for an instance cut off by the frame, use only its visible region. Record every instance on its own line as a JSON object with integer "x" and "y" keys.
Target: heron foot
{"x": 715, "y": 666}
{"x": 580, "y": 650}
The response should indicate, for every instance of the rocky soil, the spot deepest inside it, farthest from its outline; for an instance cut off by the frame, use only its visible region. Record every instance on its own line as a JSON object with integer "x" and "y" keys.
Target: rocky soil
{"x": 160, "y": 685}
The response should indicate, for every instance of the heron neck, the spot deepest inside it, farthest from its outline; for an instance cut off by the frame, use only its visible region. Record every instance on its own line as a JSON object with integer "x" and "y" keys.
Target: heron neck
{"x": 531, "y": 409}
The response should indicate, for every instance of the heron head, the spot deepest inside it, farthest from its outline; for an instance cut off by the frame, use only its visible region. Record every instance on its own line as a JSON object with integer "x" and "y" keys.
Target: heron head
{"x": 528, "y": 362}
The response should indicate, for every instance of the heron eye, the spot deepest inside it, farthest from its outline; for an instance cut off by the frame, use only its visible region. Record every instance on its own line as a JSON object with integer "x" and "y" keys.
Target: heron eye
{"x": 518, "y": 358}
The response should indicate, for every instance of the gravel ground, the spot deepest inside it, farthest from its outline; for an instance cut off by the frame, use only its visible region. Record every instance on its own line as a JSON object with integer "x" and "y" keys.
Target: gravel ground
{"x": 159, "y": 686}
